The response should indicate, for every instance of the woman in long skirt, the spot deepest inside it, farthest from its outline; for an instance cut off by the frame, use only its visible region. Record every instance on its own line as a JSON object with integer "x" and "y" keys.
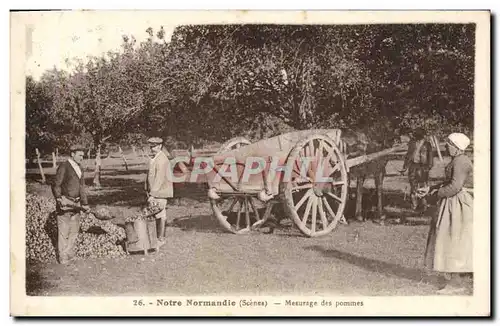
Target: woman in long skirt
{"x": 449, "y": 245}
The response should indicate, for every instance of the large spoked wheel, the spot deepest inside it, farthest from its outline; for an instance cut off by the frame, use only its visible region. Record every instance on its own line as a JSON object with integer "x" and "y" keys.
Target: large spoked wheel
{"x": 237, "y": 213}
{"x": 240, "y": 213}
{"x": 234, "y": 143}
{"x": 316, "y": 194}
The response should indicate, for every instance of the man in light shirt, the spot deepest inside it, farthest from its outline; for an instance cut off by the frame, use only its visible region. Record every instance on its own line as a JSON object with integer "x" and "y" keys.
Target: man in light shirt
{"x": 158, "y": 187}
{"x": 71, "y": 198}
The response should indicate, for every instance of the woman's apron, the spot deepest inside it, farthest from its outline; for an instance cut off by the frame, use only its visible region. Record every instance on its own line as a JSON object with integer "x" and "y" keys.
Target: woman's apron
{"x": 449, "y": 245}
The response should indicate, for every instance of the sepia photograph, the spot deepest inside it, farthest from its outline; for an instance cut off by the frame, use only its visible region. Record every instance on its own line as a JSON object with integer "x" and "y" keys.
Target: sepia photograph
{"x": 250, "y": 163}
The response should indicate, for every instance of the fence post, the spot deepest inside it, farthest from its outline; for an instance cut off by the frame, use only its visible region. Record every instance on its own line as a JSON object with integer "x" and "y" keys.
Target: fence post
{"x": 135, "y": 152}
{"x": 123, "y": 157}
{"x": 97, "y": 172}
{"x": 143, "y": 152}
{"x": 40, "y": 165}
{"x": 437, "y": 147}
{"x": 54, "y": 160}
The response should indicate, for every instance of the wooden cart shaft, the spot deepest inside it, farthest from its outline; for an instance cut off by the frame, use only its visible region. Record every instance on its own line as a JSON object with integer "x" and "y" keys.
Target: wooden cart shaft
{"x": 371, "y": 157}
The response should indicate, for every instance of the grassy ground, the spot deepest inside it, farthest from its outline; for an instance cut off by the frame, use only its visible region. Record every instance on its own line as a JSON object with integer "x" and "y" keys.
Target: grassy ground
{"x": 201, "y": 258}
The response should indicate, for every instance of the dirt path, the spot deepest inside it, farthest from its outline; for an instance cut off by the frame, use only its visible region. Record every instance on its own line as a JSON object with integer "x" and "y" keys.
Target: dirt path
{"x": 200, "y": 258}
{"x": 378, "y": 261}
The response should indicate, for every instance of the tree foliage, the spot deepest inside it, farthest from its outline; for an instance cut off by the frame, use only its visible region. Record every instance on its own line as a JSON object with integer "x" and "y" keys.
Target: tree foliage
{"x": 213, "y": 82}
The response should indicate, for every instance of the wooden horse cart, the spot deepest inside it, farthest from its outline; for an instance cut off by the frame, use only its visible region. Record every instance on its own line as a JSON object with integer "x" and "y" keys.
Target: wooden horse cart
{"x": 304, "y": 171}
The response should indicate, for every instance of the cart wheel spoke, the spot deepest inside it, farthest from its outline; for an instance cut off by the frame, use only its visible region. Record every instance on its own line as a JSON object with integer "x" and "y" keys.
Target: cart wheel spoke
{"x": 247, "y": 213}
{"x": 230, "y": 209}
{"x": 267, "y": 213}
{"x": 312, "y": 148}
{"x": 256, "y": 212}
{"x": 306, "y": 196}
{"x": 328, "y": 148}
{"x": 299, "y": 173}
{"x": 336, "y": 168}
{"x": 314, "y": 212}
{"x": 303, "y": 179}
{"x": 303, "y": 152}
{"x": 239, "y": 215}
{"x": 308, "y": 209}
{"x": 322, "y": 213}
{"x": 242, "y": 215}
{"x": 320, "y": 147}
{"x": 334, "y": 197}
{"x": 328, "y": 208}
{"x": 303, "y": 167}
{"x": 302, "y": 187}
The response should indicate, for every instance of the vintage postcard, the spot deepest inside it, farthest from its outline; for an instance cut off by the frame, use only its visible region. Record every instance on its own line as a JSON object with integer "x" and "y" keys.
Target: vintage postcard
{"x": 250, "y": 163}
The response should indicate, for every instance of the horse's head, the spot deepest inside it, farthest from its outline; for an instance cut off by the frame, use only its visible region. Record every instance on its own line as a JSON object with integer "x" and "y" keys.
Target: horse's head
{"x": 384, "y": 139}
{"x": 392, "y": 139}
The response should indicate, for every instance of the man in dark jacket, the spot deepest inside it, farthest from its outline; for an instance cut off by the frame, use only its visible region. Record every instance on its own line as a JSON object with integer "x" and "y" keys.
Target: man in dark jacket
{"x": 418, "y": 161}
{"x": 71, "y": 198}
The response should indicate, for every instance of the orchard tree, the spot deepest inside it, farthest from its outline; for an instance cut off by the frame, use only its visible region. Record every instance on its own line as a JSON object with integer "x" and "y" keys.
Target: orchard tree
{"x": 423, "y": 74}
{"x": 228, "y": 75}
{"x": 105, "y": 95}
{"x": 39, "y": 125}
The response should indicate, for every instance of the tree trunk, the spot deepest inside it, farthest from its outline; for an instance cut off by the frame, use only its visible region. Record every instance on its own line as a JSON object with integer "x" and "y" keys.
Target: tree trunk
{"x": 97, "y": 171}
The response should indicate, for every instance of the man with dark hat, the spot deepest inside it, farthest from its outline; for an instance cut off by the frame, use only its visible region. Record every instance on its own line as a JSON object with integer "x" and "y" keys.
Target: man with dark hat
{"x": 71, "y": 198}
{"x": 158, "y": 187}
{"x": 418, "y": 161}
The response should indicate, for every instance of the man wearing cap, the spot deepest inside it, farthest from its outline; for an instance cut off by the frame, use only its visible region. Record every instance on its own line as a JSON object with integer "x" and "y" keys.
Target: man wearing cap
{"x": 71, "y": 198}
{"x": 158, "y": 186}
{"x": 418, "y": 161}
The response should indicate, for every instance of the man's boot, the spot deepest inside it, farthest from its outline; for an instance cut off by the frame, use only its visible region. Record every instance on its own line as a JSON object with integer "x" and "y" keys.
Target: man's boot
{"x": 161, "y": 231}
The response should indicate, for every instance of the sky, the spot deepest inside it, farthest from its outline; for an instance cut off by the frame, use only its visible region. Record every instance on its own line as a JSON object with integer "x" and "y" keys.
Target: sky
{"x": 55, "y": 36}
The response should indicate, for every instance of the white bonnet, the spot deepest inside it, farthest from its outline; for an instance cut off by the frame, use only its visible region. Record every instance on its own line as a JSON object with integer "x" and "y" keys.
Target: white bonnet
{"x": 460, "y": 140}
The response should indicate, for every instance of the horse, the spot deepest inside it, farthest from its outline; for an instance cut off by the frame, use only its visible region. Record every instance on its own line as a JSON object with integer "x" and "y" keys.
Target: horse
{"x": 357, "y": 143}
